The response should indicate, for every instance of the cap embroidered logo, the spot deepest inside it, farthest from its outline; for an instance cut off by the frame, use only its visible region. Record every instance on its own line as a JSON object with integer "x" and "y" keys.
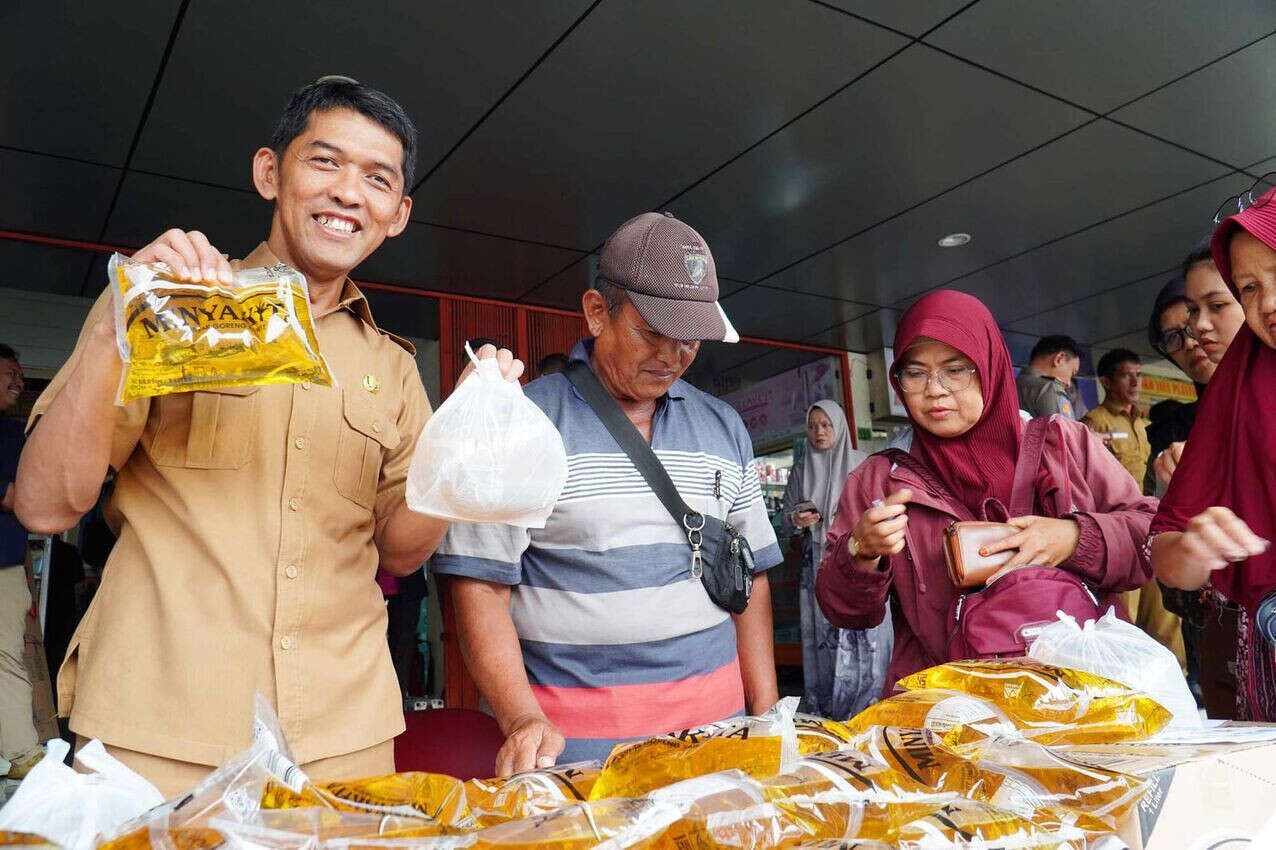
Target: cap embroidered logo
{"x": 697, "y": 267}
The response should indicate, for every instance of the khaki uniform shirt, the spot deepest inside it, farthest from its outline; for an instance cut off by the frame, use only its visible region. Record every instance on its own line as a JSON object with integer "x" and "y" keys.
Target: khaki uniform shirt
{"x": 1131, "y": 451}
{"x": 246, "y": 560}
{"x": 1042, "y": 395}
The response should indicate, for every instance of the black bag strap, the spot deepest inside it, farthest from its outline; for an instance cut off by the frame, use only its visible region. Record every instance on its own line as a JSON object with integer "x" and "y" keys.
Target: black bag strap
{"x": 632, "y": 443}
{"x": 1030, "y": 449}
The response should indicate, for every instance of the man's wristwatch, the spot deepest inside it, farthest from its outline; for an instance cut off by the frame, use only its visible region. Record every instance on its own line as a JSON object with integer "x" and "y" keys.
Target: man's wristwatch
{"x": 853, "y": 545}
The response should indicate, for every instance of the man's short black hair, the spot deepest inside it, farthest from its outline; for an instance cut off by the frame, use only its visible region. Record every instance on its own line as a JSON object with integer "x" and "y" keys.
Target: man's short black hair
{"x": 475, "y": 344}
{"x": 614, "y": 295}
{"x": 1200, "y": 253}
{"x": 344, "y": 93}
{"x": 1049, "y": 346}
{"x": 1109, "y": 362}
{"x": 552, "y": 363}
{"x": 7, "y": 352}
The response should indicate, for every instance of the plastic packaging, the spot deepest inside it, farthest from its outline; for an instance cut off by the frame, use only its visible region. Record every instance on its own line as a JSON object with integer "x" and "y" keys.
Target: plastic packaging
{"x": 955, "y": 717}
{"x": 1023, "y": 777}
{"x": 488, "y": 454}
{"x": 536, "y": 792}
{"x": 25, "y": 840}
{"x": 1053, "y": 705}
{"x": 760, "y": 746}
{"x": 431, "y": 795}
{"x": 1123, "y": 653}
{"x": 611, "y": 823}
{"x": 176, "y": 337}
{"x": 70, "y": 809}
{"x": 820, "y": 734}
{"x": 233, "y": 792}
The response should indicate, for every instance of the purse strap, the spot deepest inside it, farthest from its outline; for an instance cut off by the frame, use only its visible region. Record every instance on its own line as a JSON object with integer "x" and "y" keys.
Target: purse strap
{"x": 1023, "y": 491}
{"x": 632, "y": 443}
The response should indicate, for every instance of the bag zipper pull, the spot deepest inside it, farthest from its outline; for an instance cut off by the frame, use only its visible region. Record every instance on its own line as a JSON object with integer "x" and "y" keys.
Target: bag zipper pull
{"x": 735, "y": 559}
{"x": 695, "y": 538}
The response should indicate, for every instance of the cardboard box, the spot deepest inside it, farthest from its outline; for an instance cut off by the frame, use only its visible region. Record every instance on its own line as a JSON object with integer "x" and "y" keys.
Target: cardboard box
{"x": 1199, "y": 795}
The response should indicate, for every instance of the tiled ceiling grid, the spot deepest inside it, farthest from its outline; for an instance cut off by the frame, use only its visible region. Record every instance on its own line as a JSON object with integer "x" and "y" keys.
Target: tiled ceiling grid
{"x": 821, "y": 147}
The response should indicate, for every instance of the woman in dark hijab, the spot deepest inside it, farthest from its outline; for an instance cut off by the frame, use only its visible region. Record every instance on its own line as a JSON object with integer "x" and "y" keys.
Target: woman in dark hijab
{"x": 1215, "y": 522}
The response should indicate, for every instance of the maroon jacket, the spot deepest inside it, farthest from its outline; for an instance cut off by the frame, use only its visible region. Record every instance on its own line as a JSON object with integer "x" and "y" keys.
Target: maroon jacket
{"x": 1112, "y": 513}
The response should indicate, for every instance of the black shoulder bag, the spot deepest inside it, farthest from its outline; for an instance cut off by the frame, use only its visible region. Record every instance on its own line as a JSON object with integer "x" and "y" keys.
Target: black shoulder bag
{"x": 720, "y": 556}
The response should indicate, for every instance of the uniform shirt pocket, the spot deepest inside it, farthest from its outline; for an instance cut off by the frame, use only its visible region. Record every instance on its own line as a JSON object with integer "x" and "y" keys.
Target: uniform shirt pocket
{"x": 208, "y": 429}
{"x": 367, "y": 432}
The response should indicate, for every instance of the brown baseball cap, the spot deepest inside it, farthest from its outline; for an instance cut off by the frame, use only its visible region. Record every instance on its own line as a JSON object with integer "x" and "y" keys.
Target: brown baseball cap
{"x": 669, "y": 274}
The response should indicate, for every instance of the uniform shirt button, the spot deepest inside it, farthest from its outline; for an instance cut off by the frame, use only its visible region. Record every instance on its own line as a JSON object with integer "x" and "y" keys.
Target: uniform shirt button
{"x": 291, "y": 571}
{"x": 286, "y": 642}
{"x": 376, "y": 427}
{"x": 305, "y": 385}
{"x": 300, "y": 442}
{"x": 294, "y": 504}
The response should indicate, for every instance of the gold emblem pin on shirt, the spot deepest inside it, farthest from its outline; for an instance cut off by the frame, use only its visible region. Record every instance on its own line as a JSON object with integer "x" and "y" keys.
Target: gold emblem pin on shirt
{"x": 371, "y": 383}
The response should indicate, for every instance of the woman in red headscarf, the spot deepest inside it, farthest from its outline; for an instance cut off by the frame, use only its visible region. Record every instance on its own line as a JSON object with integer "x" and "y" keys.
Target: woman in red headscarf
{"x": 953, "y": 374}
{"x": 1215, "y": 521}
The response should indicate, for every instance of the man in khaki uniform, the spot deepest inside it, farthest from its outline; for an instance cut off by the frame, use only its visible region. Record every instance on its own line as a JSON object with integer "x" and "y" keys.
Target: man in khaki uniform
{"x": 1124, "y": 429}
{"x": 19, "y": 743}
{"x": 251, "y": 520}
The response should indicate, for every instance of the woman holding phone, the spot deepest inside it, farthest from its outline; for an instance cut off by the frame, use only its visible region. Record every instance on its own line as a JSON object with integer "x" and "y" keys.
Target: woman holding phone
{"x": 843, "y": 670}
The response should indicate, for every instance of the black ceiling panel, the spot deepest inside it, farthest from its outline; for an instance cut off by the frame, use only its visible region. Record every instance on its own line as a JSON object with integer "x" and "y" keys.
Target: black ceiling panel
{"x": 77, "y": 74}
{"x": 428, "y": 257}
{"x": 1228, "y": 109}
{"x": 1135, "y": 246}
{"x": 403, "y": 314}
{"x": 447, "y": 62}
{"x": 819, "y": 153}
{"x": 45, "y": 268}
{"x": 638, "y": 103}
{"x": 1098, "y": 53}
{"x": 759, "y": 311}
{"x": 235, "y": 222}
{"x": 834, "y": 172}
{"x": 867, "y": 333}
{"x": 54, "y": 196}
{"x": 911, "y": 16}
{"x": 1097, "y": 172}
{"x": 1101, "y": 316}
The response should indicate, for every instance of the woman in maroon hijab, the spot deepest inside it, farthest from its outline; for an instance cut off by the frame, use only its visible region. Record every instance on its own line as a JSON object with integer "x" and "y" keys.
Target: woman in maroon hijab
{"x": 954, "y": 376}
{"x": 1215, "y": 521}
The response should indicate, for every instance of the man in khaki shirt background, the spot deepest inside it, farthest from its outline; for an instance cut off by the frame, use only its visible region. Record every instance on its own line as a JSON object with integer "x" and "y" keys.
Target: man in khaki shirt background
{"x": 1121, "y": 373}
{"x": 251, "y": 520}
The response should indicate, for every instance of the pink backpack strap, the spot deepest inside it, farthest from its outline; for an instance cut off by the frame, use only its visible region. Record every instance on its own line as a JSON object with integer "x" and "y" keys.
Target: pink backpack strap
{"x": 1023, "y": 491}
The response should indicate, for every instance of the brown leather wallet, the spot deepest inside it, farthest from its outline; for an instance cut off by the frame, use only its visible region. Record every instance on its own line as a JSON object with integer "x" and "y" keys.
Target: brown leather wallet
{"x": 962, "y": 542}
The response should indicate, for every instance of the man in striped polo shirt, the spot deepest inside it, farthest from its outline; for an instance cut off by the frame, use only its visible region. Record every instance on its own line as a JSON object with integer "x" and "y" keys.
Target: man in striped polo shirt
{"x": 592, "y": 631}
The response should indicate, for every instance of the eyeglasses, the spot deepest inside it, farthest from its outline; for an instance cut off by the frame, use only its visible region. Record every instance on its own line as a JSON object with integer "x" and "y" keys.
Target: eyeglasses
{"x": 1255, "y": 197}
{"x": 952, "y": 378}
{"x": 1175, "y": 340}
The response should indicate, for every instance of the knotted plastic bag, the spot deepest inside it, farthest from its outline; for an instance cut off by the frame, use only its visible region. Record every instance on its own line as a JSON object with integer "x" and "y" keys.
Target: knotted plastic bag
{"x": 488, "y": 454}
{"x": 176, "y": 336}
{"x": 1124, "y": 653}
{"x": 70, "y": 809}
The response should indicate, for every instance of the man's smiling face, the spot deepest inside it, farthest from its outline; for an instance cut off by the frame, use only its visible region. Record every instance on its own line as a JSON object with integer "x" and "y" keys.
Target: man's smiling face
{"x": 11, "y": 383}
{"x": 339, "y": 193}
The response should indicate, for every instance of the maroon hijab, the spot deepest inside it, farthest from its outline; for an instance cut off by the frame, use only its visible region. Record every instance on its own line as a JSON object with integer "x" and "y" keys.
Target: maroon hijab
{"x": 1230, "y": 458}
{"x": 979, "y": 464}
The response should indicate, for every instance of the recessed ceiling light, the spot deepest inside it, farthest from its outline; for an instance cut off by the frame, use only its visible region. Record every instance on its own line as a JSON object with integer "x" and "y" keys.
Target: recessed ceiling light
{"x": 954, "y": 240}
